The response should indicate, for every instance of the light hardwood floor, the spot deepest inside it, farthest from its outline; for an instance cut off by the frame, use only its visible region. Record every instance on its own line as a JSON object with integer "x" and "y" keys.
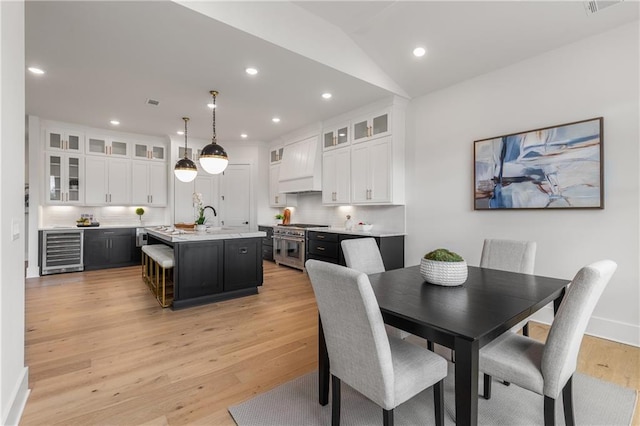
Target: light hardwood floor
{"x": 100, "y": 350}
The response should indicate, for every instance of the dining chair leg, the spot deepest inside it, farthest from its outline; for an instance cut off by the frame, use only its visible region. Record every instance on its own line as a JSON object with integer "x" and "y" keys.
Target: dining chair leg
{"x": 549, "y": 411}
{"x": 438, "y": 402}
{"x": 525, "y": 330}
{"x": 335, "y": 401}
{"x": 387, "y": 417}
{"x": 567, "y": 402}
{"x": 487, "y": 386}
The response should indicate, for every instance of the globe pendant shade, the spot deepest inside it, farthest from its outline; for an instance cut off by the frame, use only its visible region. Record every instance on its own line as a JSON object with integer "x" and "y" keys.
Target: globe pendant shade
{"x": 213, "y": 159}
{"x": 185, "y": 170}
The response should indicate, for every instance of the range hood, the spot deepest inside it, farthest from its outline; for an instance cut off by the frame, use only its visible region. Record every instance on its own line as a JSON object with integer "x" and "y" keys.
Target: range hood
{"x": 301, "y": 167}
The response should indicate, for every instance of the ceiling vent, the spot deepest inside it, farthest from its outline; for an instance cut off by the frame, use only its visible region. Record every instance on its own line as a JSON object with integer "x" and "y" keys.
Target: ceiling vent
{"x": 152, "y": 102}
{"x": 594, "y": 6}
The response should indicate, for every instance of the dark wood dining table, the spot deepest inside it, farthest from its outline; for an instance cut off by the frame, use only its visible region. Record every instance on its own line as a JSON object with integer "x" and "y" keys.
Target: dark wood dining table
{"x": 463, "y": 318}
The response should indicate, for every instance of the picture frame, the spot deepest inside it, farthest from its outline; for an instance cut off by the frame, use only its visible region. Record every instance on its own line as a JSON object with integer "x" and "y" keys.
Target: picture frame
{"x": 555, "y": 167}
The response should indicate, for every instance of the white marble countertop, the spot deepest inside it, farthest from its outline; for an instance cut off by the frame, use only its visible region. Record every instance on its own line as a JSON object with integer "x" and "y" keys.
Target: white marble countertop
{"x": 174, "y": 235}
{"x": 374, "y": 232}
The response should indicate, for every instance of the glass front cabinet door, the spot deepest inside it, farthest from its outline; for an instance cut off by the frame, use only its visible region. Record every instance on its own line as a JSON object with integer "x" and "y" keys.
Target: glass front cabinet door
{"x": 65, "y": 175}
{"x": 64, "y": 140}
{"x": 335, "y": 137}
{"x": 143, "y": 151}
{"x": 372, "y": 126}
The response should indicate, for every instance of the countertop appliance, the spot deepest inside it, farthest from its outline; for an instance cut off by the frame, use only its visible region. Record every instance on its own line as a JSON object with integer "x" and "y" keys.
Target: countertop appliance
{"x": 62, "y": 251}
{"x": 289, "y": 244}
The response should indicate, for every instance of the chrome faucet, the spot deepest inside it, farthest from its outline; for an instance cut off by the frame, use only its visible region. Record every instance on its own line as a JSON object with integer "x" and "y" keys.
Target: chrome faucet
{"x": 212, "y": 209}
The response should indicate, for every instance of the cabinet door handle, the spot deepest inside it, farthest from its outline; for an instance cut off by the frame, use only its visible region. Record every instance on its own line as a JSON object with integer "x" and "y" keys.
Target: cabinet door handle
{"x": 277, "y": 199}
{"x": 321, "y": 248}
{"x": 106, "y": 198}
{"x": 109, "y": 197}
{"x": 243, "y": 250}
{"x": 320, "y": 237}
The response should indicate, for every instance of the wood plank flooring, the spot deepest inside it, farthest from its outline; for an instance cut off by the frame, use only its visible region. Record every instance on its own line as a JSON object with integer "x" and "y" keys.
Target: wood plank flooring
{"x": 101, "y": 350}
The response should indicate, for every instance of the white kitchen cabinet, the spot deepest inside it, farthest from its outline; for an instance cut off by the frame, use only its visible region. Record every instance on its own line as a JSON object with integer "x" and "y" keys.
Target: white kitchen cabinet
{"x": 148, "y": 151}
{"x": 335, "y": 136}
{"x": 275, "y": 155}
{"x": 107, "y": 146}
{"x": 64, "y": 140}
{"x": 371, "y": 165}
{"x": 64, "y": 178}
{"x": 336, "y": 177}
{"x": 235, "y": 197}
{"x": 371, "y": 126}
{"x": 190, "y": 155}
{"x": 108, "y": 181}
{"x": 276, "y": 198}
{"x": 149, "y": 183}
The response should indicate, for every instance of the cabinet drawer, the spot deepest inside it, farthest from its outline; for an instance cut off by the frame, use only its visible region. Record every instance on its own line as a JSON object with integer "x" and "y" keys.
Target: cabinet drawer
{"x": 322, "y": 236}
{"x": 324, "y": 248}
{"x": 267, "y": 253}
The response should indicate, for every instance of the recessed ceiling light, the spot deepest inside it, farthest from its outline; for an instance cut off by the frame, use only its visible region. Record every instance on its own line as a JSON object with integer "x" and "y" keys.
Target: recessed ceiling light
{"x": 35, "y": 70}
{"x": 251, "y": 71}
{"x": 180, "y": 132}
{"x": 327, "y": 95}
{"x": 243, "y": 135}
{"x": 114, "y": 122}
{"x": 419, "y": 52}
{"x": 275, "y": 119}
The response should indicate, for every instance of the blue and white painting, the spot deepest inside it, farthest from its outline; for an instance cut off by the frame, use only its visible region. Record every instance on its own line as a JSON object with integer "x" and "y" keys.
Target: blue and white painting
{"x": 554, "y": 167}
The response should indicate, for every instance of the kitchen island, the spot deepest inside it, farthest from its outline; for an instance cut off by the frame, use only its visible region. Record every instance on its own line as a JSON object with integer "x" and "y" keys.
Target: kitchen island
{"x": 213, "y": 265}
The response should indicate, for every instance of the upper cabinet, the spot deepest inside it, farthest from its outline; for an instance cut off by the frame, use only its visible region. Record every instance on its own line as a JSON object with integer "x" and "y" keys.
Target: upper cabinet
{"x": 277, "y": 198}
{"x": 148, "y": 151}
{"x": 64, "y": 178}
{"x": 335, "y": 136}
{"x": 372, "y": 126}
{"x": 108, "y": 181}
{"x": 64, "y": 140}
{"x": 275, "y": 155}
{"x": 102, "y": 145}
{"x": 366, "y": 167}
{"x": 150, "y": 183}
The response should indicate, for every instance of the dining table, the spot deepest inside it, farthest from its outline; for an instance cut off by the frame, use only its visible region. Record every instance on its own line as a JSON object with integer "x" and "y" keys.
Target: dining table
{"x": 463, "y": 318}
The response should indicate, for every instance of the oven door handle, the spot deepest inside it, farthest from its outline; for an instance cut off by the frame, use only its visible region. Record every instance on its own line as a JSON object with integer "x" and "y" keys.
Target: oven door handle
{"x": 296, "y": 240}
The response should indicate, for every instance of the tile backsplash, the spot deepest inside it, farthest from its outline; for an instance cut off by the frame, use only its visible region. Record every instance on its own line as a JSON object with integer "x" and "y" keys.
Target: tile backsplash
{"x": 107, "y": 216}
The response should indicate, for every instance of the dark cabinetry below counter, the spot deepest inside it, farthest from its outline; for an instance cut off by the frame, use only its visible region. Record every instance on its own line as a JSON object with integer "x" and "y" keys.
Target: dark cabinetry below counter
{"x": 267, "y": 242}
{"x": 110, "y": 248}
{"x": 325, "y": 246}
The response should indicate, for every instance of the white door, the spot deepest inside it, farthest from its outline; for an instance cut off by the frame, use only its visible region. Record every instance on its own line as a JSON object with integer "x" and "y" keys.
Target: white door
{"x": 380, "y": 171}
{"x": 119, "y": 182}
{"x": 235, "y": 196}
{"x": 208, "y": 187}
{"x": 140, "y": 179}
{"x": 157, "y": 184}
{"x": 183, "y": 201}
{"x": 96, "y": 191}
{"x": 359, "y": 173}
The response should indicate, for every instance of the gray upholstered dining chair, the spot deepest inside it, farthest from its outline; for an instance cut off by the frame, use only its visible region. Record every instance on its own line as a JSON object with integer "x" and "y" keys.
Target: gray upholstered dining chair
{"x": 547, "y": 368}
{"x": 385, "y": 369}
{"x": 512, "y": 256}
{"x": 362, "y": 254}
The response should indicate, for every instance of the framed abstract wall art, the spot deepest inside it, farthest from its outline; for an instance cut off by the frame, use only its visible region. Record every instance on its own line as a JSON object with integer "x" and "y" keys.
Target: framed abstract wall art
{"x": 557, "y": 167}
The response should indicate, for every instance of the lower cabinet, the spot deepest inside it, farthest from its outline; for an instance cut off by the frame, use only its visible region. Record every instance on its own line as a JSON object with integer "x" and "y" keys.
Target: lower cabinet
{"x": 198, "y": 269}
{"x": 110, "y": 248}
{"x": 242, "y": 263}
{"x": 267, "y": 242}
{"x": 326, "y": 246}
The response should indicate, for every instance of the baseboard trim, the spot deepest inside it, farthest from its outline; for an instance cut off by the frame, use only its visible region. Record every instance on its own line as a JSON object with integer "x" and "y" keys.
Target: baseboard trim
{"x": 617, "y": 331}
{"x": 18, "y": 400}
{"x": 33, "y": 272}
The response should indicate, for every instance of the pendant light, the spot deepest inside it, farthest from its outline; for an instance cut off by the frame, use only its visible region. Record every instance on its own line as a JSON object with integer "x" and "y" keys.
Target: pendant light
{"x": 185, "y": 169}
{"x": 213, "y": 157}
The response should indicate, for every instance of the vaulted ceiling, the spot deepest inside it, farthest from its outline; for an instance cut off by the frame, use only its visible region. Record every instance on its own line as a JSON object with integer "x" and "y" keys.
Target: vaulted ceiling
{"x": 103, "y": 60}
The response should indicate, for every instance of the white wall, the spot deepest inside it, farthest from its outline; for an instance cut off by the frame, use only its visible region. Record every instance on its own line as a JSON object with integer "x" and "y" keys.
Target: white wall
{"x": 13, "y": 373}
{"x": 595, "y": 77}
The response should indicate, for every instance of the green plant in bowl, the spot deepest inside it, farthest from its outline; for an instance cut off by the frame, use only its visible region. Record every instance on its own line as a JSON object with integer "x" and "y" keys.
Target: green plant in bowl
{"x": 443, "y": 255}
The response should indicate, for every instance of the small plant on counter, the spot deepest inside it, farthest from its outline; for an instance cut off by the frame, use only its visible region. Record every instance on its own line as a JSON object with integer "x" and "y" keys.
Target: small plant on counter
{"x": 279, "y": 216}
{"x": 140, "y": 212}
{"x": 199, "y": 205}
{"x": 443, "y": 255}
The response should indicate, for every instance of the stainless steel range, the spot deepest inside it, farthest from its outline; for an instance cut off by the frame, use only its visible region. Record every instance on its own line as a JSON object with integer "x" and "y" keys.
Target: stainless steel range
{"x": 289, "y": 244}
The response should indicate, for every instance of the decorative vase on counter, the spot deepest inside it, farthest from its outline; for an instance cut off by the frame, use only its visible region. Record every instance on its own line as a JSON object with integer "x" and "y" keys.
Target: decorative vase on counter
{"x": 201, "y": 228}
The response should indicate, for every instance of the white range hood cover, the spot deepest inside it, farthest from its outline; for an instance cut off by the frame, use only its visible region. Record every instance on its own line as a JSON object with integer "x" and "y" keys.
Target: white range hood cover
{"x": 301, "y": 167}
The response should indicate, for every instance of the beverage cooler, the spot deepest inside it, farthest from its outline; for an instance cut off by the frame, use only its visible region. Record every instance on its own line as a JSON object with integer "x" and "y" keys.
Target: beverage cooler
{"x": 62, "y": 251}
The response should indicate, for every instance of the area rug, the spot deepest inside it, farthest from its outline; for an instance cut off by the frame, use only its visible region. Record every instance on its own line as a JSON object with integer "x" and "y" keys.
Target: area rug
{"x": 296, "y": 403}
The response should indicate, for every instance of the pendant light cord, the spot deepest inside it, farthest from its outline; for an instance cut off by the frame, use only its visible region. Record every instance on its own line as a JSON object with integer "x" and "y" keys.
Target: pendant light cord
{"x": 214, "y": 138}
{"x": 185, "y": 136}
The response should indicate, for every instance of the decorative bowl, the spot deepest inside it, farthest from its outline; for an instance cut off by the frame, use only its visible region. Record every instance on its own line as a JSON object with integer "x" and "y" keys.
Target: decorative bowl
{"x": 366, "y": 227}
{"x": 444, "y": 273}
